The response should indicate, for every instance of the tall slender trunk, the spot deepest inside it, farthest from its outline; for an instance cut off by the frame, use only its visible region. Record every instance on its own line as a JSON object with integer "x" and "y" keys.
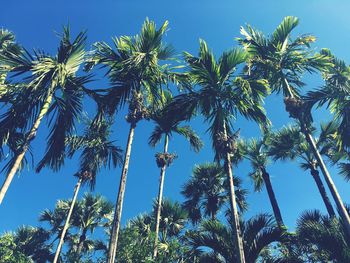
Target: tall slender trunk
{"x": 338, "y": 201}
{"x": 82, "y": 239}
{"x": 160, "y": 197}
{"x": 113, "y": 242}
{"x": 272, "y": 197}
{"x": 233, "y": 205}
{"x": 31, "y": 135}
{"x": 316, "y": 175}
{"x": 66, "y": 224}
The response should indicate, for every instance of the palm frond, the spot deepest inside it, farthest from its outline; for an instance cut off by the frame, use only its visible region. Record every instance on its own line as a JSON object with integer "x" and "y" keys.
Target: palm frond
{"x": 194, "y": 140}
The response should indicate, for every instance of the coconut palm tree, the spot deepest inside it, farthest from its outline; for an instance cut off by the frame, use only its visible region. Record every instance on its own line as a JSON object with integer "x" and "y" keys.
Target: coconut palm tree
{"x": 258, "y": 233}
{"x": 168, "y": 124}
{"x": 283, "y": 61}
{"x": 136, "y": 77}
{"x": 220, "y": 95}
{"x": 257, "y": 153}
{"x": 207, "y": 192}
{"x": 288, "y": 143}
{"x": 97, "y": 152}
{"x": 53, "y": 88}
{"x": 90, "y": 213}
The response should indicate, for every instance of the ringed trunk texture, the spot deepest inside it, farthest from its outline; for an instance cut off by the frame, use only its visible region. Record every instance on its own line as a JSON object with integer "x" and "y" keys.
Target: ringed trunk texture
{"x": 113, "y": 242}
{"x": 338, "y": 201}
{"x": 160, "y": 197}
{"x": 316, "y": 175}
{"x": 233, "y": 205}
{"x": 272, "y": 197}
{"x": 66, "y": 224}
{"x": 31, "y": 135}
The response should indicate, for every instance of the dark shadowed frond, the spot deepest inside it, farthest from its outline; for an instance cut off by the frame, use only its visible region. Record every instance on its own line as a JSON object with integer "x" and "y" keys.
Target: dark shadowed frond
{"x": 194, "y": 140}
{"x": 282, "y": 143}
{"x": 334, "y": 94}
{"x": 206, "y": 193}
{"x": 324, "y": 234}
{"x": 65, "y": 112}
{"x": 214, "y": 237}
{"x": 259, "y": 232}
{"x": 168, "y": 121}
{"x": 97, "y": 151}
{"x": 173, "y": 220}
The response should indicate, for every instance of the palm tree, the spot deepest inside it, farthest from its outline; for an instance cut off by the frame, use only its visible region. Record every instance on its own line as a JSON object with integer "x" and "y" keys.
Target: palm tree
{"x": 174, "y": 218}
{"x": 258, "y": 233}
{"x": 90, "y": 213}
{"x": 207, "y": 191}
{"x": 167, "y": 124}
{"x": 8, "y": 44}
{"x": 220, "y": 97}
{"x": 27, "y": 244}
{"x": 32, "y": 242}
{"x": 283, "y": 62}
{"x": 334, "y": 94}
{"x": 136, "y": 76}
{"x": 135, "y": 241}
{"x": 288, "y": 143}
{"x": 97, "y": 152}
{"x": 8, "y": 93}
{"x": 257, "y": 153}
{"x": 137, "y": 238}
{"x": 53, "y": 88}
{"x": 323, "y": 237}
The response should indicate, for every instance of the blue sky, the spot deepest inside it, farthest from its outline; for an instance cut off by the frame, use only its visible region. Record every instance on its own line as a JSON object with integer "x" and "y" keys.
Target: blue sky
{"x": 35, "y": 23}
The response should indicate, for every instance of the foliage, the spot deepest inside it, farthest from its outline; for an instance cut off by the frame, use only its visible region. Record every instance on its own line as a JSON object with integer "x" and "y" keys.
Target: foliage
{"x": 206, "y": 192}
{"x": 258, "y": 233}
{"x": 140, "y": 70}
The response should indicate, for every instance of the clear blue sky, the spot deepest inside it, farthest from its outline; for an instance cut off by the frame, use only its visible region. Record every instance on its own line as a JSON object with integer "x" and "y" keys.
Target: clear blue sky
{"x": 34, "y": 23}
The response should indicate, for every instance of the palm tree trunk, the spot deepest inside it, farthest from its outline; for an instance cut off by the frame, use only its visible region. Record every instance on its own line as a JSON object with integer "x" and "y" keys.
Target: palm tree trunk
{"x": 338, "y": 201}
{"x": 31, "y": 135}
{"x": 82, "y": 239}
{"x": 160, "y": 197}
{"x": 316, "y": 175}
{"x": 233, "y": 206}
{"x": 66, "y": 224}
{"x": 272, "y": 197}
{"x": 113, "y": 242}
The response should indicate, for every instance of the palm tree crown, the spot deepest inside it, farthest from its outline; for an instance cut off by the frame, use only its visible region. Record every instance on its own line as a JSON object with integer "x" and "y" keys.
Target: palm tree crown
{"x": 168, "y": 123}
{"x": 222, "y": 94}
{"x": 97, "y": 150}
{"x": 207, "y": 192}
{"x": 281, "y": 59}
{"x": 52, "y": 77}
